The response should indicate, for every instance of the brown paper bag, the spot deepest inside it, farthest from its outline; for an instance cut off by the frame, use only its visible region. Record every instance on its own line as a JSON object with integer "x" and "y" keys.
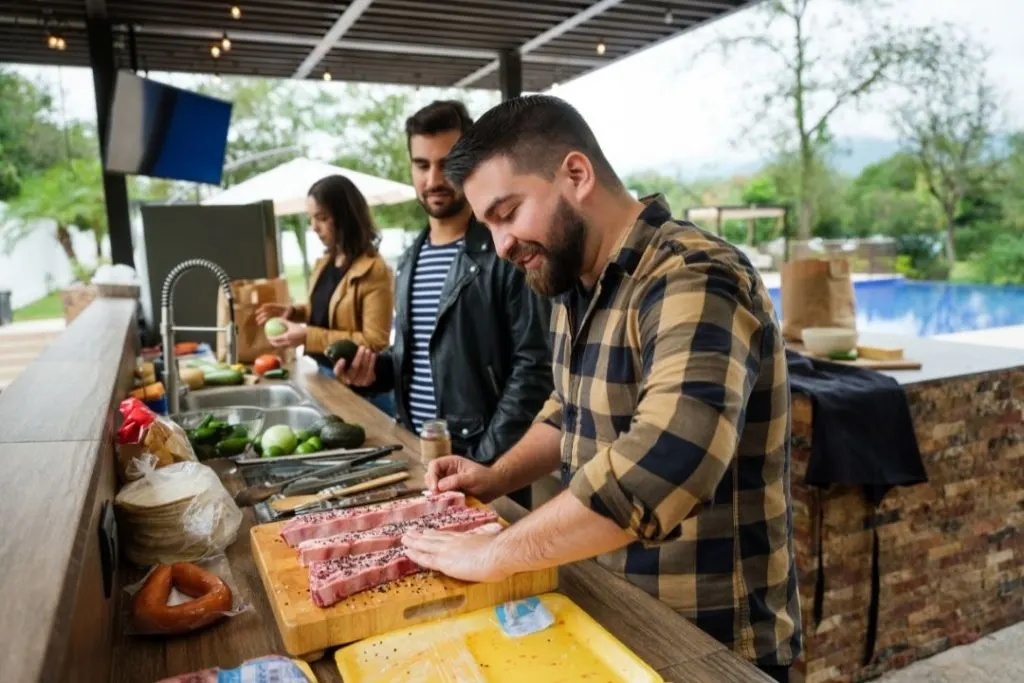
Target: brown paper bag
{"x": 816, "y": 293}
{"x": 249, "y": 296}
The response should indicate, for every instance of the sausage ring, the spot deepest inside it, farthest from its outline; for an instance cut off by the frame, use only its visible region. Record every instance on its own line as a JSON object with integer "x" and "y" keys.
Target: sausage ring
{"x": 211, "y": 598}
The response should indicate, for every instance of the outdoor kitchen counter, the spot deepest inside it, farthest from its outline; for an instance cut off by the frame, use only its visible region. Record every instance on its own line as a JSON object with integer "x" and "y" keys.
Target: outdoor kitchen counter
{"x": 951, "y": 551}
{"x": 667, "y": 642}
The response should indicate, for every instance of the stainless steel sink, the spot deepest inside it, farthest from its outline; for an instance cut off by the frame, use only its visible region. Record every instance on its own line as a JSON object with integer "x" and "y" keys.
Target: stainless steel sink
{"x": 296, "y": 417}
{"x": 262, "y": 396}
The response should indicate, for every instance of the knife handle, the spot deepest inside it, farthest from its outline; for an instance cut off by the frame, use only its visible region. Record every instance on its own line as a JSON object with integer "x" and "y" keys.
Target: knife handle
{"x": 290, "y": 503}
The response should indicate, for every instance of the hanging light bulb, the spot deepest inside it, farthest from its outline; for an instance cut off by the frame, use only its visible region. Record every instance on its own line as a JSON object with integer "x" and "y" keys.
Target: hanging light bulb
{"x": 225, "y": 43}
{"x": 61, "y": 44}
{"x": 215, "y": 51}
{"x": 327, "y": 75}
{"x": 600, "y": 47}
{"x": 668, "y": 17}
{"x": 236, "y": 12}
{"x": 51, "y": 40}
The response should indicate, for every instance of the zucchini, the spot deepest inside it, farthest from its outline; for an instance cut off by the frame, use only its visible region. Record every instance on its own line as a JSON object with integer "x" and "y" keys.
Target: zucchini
{"x": 224, "y": 377}
{"x": 277, "y": 373}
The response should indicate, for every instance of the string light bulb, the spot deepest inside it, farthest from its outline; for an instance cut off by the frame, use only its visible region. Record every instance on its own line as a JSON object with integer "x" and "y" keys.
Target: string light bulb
{"x": 215, "y": 51}
{"x": 225, "y": 43}
{"x": 600, "y": 47}
{"x": 327, "y": 75}
{"x": 668, "y": 17}
{"x": 51, "y": 40}
{"x": 61, "y": 44}
{"x": 236, "y": 12}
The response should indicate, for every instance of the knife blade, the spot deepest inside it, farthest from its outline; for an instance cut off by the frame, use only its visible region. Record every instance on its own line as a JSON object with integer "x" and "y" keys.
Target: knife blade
{"x": 357, "y": 499}
{"x": 332, "y": 453}
{"x": 314, "y": 483}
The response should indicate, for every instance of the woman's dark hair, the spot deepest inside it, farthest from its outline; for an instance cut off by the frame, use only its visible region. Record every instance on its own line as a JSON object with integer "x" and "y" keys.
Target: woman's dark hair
{"x": 354, "y": 230}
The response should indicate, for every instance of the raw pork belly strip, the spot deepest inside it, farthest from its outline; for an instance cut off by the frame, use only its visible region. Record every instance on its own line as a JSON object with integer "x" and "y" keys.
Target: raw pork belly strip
{"x": 390, "y": 535}
{"x": 334, "y": 580}
{"x": 334, "y": 522}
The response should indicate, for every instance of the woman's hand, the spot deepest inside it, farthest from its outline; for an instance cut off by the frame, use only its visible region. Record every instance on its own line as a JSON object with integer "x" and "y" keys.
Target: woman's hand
{"x": 294, "y": 335}
{"x": 267, "y": 311}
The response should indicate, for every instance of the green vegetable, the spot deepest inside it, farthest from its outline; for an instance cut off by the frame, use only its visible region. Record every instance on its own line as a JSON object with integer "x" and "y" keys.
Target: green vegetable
{"x": 205, "y": 435}
{"x": 279, "y": 436}
{"x": 231, "y": 447}
{"x": 257, "y": 446}
{"x": 274, "y": 327}
{"x": 206, "y": 421}
{"x": 315, "y": 442}
{"x": 304, "y": 448}
{"x": 272, "y": 452}
{"x": 346, "y": 348}
{"x": 843, "y": 355}
{"x": 342, "y": 435}
{"x": 240, "y": 432}
{"x": 279, "y": 373}
{"x": 223, "y": 377}
{"x": 323, "y": 422}
{"x": 302, "y": 435}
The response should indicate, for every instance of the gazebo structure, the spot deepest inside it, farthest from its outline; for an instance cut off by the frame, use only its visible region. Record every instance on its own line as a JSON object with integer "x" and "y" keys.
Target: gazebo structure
{"x": 511, "y": 45}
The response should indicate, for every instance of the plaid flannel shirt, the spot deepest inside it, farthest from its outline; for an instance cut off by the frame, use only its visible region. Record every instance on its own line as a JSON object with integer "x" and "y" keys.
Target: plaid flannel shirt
{"x": 674, "y": 406}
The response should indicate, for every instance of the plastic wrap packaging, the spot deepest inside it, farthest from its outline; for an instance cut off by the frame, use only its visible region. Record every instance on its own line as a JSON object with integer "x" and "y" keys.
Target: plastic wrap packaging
{"x": 215, "y": 564}
{"x": 144, "y": 433}
{"x": 177, "y": 513}
{"x": 271, "y": 669}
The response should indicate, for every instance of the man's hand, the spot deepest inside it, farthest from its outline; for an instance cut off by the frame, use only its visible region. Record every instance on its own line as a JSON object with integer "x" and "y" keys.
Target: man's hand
{"x": 363, "y": 370}
{"x": 469, "y": 556}
{"x": 294, "y": 335}
{"x": 267, "y": 311}
{"x": 455, "y": 473}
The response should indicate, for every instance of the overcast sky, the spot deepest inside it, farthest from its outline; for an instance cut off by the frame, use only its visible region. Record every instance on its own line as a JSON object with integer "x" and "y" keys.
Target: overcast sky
{"x": 664, "y": 108}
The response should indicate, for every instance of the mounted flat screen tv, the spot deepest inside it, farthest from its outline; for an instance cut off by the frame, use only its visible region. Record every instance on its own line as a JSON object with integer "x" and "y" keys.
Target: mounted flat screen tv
{"x": 161, "y": 131}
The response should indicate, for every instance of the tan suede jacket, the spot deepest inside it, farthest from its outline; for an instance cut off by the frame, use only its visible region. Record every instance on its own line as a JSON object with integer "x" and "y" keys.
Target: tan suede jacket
{"x": 361, "y": 306}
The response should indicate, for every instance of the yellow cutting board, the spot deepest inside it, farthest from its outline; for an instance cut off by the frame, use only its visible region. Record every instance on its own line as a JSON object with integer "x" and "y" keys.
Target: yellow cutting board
{"x": 474, "y": 648}
{"x": 308, "y": 630}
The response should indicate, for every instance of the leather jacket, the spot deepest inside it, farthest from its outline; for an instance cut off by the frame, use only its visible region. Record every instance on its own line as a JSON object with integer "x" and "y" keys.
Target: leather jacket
{"x": 490, "y": 351}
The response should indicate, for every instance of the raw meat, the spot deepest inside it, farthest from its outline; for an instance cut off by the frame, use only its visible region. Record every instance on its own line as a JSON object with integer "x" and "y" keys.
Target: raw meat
{"x": 334, "y": 522}
{"x": 334, "y": 580}
{"x": 390, "y": 535}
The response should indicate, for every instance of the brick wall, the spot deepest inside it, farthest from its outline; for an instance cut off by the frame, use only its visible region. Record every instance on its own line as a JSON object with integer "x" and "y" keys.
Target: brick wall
{"x": 951, "y": 551}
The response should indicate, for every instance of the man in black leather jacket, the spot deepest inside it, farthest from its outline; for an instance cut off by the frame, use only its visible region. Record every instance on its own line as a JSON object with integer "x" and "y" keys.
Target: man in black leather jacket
{"x": 471, "y": 339}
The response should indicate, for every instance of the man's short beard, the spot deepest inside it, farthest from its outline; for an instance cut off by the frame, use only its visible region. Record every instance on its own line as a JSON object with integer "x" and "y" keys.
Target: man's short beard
{"x": 563, "y": 261}
{"x": 456, "y": 206}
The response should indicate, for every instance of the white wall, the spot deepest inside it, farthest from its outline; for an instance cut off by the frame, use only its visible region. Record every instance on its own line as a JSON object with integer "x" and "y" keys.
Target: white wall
{"x": 37, "y": 265}
{"x": 393, "y": 242}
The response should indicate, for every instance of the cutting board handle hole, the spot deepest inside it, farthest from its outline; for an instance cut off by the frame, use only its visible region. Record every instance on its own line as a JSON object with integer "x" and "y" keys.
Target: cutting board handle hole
{"x": 434, "y": 608}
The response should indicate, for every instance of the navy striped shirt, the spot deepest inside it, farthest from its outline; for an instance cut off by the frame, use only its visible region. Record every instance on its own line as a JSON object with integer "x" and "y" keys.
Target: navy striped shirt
{"x": 428, "y": 278}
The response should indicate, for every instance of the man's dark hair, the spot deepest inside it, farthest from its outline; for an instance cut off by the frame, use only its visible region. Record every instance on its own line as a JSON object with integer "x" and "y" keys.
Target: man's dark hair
{"x": 535, "y": 132}
{"x": 438, "y": 117}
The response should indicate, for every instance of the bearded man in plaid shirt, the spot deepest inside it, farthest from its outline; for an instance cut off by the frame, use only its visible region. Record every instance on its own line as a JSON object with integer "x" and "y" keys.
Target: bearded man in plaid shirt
{"x": 670, "y": 418}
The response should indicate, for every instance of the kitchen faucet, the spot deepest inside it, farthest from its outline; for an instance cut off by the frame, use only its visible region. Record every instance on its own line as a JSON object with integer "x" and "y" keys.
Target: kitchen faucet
{"x": 167, "y": 327}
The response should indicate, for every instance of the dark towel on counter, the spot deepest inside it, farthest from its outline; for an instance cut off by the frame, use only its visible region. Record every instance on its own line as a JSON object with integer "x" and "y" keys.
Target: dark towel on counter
{"x": 862, "y": 435}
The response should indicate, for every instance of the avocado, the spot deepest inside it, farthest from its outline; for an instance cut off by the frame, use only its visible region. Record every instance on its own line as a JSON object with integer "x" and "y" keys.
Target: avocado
{"x": 346, "y": 348}
{"x": 342, "y": 435}
{"x": 317, "y": 426}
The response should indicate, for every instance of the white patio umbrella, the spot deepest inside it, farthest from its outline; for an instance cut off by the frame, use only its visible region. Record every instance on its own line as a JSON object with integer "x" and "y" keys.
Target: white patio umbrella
{"x": 287, "y": 185}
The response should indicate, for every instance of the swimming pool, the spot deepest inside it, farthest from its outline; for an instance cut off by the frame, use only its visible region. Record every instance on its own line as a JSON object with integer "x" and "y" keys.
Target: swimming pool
{"x": 923, "y": 309}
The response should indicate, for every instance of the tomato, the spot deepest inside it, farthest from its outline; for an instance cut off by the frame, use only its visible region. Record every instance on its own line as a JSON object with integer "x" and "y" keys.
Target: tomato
{"x": 265, "y": 363}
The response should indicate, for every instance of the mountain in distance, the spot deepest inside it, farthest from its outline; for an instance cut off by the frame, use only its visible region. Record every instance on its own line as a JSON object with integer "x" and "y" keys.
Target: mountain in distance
{"x": 851, "y": 155}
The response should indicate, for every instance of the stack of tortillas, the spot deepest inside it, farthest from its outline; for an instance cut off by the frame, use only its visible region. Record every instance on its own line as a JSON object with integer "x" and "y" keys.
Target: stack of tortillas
{"x": 177, "y": 513}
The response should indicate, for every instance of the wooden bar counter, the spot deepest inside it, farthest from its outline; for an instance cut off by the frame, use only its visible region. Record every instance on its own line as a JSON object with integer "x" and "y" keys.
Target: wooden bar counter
{"x": 56, "y": 435}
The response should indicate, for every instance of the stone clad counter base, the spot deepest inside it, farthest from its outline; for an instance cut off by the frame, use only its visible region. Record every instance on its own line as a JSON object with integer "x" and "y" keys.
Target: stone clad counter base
{"x": 951, "y": 551}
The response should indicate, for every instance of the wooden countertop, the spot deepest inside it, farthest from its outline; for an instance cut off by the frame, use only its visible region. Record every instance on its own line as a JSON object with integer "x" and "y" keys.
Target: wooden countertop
{"x": 676, "y": 648}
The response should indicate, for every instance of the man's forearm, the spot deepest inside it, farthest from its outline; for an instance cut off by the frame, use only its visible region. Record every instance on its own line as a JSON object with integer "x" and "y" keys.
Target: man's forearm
{"x": 536, "y": 454}
{"x": 561, "y": 531}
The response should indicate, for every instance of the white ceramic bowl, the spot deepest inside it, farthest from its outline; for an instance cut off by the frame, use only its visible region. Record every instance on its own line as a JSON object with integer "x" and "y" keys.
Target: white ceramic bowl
{"x": 821, "y": 341}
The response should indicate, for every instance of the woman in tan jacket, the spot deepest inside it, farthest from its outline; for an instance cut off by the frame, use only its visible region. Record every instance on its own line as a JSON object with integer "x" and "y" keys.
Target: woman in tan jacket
{"x": 351, "y": 295}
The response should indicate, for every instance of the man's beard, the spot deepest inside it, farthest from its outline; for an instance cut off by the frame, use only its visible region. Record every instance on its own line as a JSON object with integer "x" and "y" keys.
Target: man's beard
{"x": 453, "y": 208}
{"x": 560, "y": 268}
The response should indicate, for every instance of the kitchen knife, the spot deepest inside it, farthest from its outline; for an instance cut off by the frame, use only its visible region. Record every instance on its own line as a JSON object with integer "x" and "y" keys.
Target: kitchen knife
{"x": 315, "y": 483}
{"x": 260, "y": 492}
{"x": 332, "y": 453}
{"x": 368, "y": 498}
{"x": 295, "y": 503}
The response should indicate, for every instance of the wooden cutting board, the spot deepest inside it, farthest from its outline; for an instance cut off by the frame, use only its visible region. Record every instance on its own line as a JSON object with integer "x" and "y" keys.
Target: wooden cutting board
{"x": 902, "y": 364}
{"x": 308, "y": 630}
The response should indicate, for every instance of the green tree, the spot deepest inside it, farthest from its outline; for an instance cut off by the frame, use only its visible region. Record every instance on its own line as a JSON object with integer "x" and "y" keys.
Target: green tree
{"x": 946, "y": 121}
{"x": 821, "y": 72}
{"x": 70, "y": 194}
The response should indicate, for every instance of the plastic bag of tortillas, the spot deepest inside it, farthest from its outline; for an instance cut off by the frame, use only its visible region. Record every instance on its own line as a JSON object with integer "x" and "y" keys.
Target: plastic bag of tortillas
{"x": 177, "y": 513}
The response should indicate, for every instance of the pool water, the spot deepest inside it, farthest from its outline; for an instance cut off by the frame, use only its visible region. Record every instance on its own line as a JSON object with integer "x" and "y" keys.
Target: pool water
{"x": 923, "y": 309}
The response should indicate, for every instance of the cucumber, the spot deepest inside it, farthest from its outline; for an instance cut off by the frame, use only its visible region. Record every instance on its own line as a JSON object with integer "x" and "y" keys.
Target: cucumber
{"x": 223, "y": 377}
{"x": 233, "y": 446}
{"x": 278, "y": 373}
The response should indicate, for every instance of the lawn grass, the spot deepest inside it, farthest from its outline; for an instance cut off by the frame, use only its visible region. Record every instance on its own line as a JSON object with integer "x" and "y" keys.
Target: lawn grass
{"x": 50, "y": 306}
